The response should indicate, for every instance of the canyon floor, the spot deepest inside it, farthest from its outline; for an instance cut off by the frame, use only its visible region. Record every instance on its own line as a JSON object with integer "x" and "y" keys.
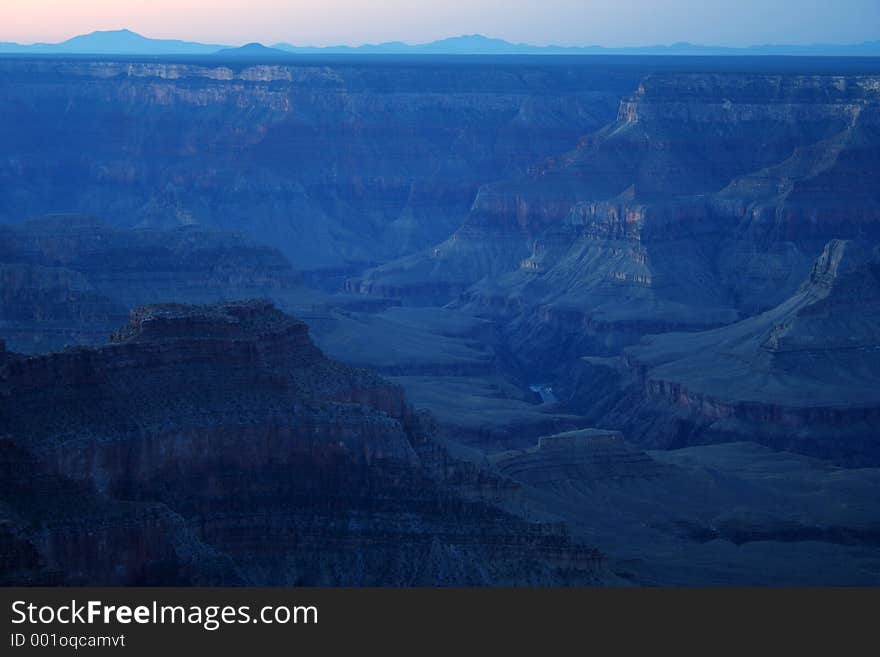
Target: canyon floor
{"x": 530, "y": 320}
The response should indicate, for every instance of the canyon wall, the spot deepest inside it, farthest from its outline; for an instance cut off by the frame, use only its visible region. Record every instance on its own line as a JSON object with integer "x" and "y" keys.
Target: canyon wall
{"x": 71, "y": 279}
{"x": 678, "y": 249}
{"x": 335, "y": 164}
{"x": 218, "y": 445}
{"x": 801, "y": 376}
{"x": 703, "y": 203}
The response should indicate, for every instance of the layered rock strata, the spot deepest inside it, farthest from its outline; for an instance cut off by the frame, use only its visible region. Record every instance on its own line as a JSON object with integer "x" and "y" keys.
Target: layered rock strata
{"x": 216, "y": 444}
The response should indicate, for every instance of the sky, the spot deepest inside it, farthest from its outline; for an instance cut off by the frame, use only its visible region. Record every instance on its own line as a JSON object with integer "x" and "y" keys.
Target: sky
{"x": 540, "y": 22}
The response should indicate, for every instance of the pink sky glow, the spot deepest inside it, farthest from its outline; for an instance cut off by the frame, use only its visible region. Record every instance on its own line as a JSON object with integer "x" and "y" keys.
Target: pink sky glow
{"x": 564, "y": 22}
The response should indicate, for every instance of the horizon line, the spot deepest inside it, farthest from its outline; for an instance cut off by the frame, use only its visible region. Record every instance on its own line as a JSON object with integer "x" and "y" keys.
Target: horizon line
{"x": 124, "y": 30}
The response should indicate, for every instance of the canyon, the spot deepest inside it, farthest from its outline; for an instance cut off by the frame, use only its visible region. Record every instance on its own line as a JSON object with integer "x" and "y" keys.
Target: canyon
{"x": 218, "y": 445}
{"x": 333, "y": 164}
{"x": 603, "y": 320}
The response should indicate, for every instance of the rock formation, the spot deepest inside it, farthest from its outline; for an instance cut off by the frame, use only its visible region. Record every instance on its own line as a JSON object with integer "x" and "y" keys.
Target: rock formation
{"x": 216, "y": 444}
{"x": 729, "y": 514}
{"x": 585, "y": 454}
{"x": 803, "y": 375}
{"x": 667, "y": 219}
{"x": 70, "y": 279}
{"x": 682, "y": 251}
{"x": 352, "y": 162}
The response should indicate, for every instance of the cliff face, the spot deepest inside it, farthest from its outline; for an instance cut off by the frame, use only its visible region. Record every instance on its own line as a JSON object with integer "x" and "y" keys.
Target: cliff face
{"x": 334, "y": 164}
{"x": 704, "y": 202}
{"x": 732, "y": 514}
{"x": 801, "y": 376}
{"x": 591, "y": 455}
{"x": 216, "y": 444}
{"x": 701, "y": 209}
{"x": 70, "y": 279}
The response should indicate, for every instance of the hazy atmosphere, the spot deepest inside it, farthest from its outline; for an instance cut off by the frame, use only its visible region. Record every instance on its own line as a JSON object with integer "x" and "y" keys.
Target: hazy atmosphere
{"x": 462, "y": 308}
{"x": 562, "y": 22}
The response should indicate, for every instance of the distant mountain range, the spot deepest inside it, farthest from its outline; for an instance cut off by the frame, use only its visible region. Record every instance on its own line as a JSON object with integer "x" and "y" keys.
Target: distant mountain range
{"x": 253, "y": 50}
{"x": 126, "y": 42}
{"x": 477, "y": 44}
{"x": 116, "y": 42}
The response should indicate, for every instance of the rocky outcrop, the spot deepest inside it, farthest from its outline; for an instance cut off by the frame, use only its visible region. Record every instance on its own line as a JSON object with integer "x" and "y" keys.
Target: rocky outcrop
{"x": 670, "y": 222}
{"x": 45, "y": 307}
{"x": 69, "y": 279}
{"x": 801, "y": 376}
{"x": 668, "y": 218}
{"x": 590, "y": 455}
{"x": 216, "y": 444}
{"x": 731, "y": 514}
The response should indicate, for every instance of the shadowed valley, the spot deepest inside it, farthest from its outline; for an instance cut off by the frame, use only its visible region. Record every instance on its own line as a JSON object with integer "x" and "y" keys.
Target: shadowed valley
{"x": 586, "y": 320}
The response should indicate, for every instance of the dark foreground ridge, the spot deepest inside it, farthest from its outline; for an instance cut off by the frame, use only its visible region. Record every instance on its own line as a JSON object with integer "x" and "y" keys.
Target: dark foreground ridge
{"x": 217, "y": 445}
